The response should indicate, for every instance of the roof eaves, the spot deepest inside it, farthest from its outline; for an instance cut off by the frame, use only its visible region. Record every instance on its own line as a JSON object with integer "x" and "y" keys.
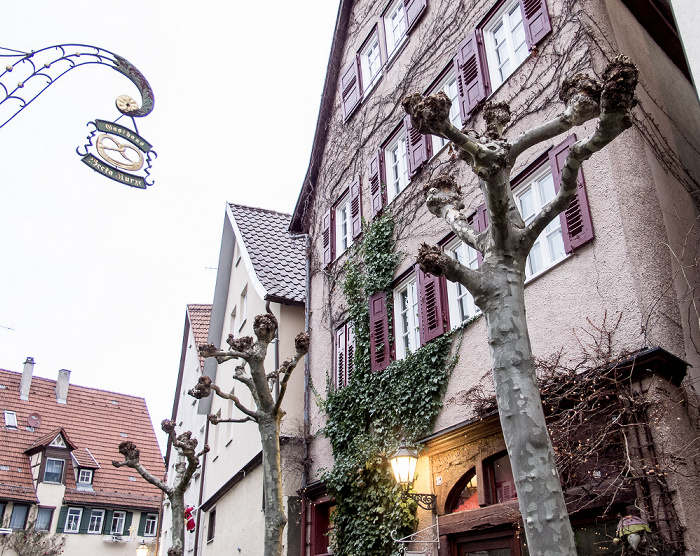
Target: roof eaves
{"x": 245, "y": 256}
{"x": 298, "y": 222}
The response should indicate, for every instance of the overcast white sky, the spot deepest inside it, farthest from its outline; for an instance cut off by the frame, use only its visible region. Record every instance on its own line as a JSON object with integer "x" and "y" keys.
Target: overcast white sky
{"x": 96, "y": 275}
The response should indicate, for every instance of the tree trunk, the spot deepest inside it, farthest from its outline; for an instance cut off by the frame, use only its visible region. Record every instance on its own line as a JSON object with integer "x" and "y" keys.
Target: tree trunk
{"x": 177, "y": 507}
{"x": 522, "y": 417}
{"x": 275, "y": 519}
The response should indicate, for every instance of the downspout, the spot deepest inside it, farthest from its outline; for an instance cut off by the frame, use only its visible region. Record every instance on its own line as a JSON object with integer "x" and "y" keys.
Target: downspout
{"x": 160, "y": 513}
{"x": 305, "y": 443}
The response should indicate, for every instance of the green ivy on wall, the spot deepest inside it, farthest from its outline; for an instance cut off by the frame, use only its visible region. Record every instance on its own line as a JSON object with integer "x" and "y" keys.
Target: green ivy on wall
{"x": 368, "y": 418}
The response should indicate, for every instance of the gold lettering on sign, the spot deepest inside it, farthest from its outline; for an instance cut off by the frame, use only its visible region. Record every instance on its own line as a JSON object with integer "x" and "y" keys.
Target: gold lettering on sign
{"x": 123, "y": 151}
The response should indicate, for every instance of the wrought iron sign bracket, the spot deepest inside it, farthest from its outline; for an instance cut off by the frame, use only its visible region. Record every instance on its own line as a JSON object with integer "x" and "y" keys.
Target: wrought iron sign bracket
{"x": 426, "y": 537}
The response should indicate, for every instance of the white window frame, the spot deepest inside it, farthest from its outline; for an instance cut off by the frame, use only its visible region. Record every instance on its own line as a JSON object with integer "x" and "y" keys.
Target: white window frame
{"x": 63, "y": 467}
{"x": 395, "y": 27}
{"x": 243, "y": 308}
{"x": 343, "y": 225}
{"x": 151, "y": 525}
{"x": 449, "y": 86}
{"x": 396, "y": 166}
{"x": 100, "y": 515}
{"x": 514, "y": 50}
{"x": 407, "y": 320}
{"x": 88, "y": 473}
{"x": 538, "y": 184}
{"x": 120, "y": 518}
{"x": 460, "y": 301}
{"x": 70, "y": 521}
{"x": 370, "y": 63}
{"x": 10, "y": 419}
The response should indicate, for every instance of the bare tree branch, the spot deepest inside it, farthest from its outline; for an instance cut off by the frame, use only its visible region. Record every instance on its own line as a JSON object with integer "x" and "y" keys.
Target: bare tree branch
{"x": 301, "y": 344}
{"x": 131, "y": 454}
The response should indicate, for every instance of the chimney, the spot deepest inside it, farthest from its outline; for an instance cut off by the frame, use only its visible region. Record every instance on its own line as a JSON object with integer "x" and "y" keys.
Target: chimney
{"x": 62, "y": 386}
{"x": 26, "y": 382}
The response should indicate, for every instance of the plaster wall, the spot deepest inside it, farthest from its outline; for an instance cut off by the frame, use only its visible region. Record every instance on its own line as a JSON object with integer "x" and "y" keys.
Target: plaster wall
{"x": 687, "y": 20}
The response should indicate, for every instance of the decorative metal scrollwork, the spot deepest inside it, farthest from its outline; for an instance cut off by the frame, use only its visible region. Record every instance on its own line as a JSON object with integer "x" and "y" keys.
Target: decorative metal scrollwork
{"x": 422, "y": 541}
{"x": 28, "y": 74}
{"x": 425, "y": 501}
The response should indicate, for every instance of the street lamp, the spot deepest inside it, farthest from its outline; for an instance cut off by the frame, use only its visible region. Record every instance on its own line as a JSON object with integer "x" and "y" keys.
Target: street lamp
{"x": 143, "y": 549}
{"x": 403, "y": 463}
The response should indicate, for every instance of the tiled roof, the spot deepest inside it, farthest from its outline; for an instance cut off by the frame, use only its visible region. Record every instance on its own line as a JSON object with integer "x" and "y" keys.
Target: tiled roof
{"x": 277, "y": 256}
{"x": 83, "y": 458}
{"x": 94, "y": 420}
{"x": 48, "y": 438}
{"x": 200, "y": 315}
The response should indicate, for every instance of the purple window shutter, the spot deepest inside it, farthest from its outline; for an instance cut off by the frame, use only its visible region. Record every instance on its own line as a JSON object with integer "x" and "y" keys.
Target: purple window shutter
{"x": 480, "y": 221}
{"x": 375, "y": 183}
{"x": 350, "y": 88}
{"x": 328, "y": 237}
{"x": 472, "y": 78}
{"x": 412, "y": 10}
{"x": 576, "y": 223}
{"x": 380, "y": 355}
{"x": 340, "y": 357}
{"x": 418, "y": 146}
{"x": 536, "y": 20}
{"x": 350, "y": 354}
{"x": 431, "y": 303}
{"x": 356, "y": 207}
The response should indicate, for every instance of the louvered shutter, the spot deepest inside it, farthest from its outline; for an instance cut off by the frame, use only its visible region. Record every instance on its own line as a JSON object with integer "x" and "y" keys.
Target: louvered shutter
{"x": 536, "y": 20}
{"x": 340, "y": 357}
{"x": 380, "y": 355}
{"x": 576, "y": 223}
{"x": 418, "y": 146}
{"x": 62, "y": 519}
{"x": 328, "y": 237}
{"x": 350, "y": 88}
{"x": 472, "y": 78}
{"x": 127, "y": 523}
{"x": 142, "y": 524}
{"x": 412, "y": 10}
{"x": 84, "y": 521}
{"x": 107, "y": 523}
{"x": 350, "y": 354}
{"x": 356, "y": 207}
{"x": 432, "y": 296}
{"x": 376, "y": 191}
{"x": 480, "y": 221}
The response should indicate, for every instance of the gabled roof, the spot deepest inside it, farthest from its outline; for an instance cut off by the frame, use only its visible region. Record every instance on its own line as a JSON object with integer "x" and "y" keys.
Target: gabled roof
{"x": 83, "y": 458}
{"x": 200, "y": 315}
{"x": 96, "y": 422}
{"x": 278, "y": 258}
{"x": 48, "y": 438}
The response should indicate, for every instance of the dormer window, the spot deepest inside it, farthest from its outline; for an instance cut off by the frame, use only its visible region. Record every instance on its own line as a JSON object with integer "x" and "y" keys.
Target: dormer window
{"x": 85, "y": 477}
{"x": 53, "y": 473}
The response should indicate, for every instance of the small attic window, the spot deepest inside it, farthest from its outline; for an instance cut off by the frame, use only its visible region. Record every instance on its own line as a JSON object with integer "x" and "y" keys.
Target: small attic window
{"x": 85, "y": 477}
{"x": 115, "y": 402}
{"x": 132, "y": 479}
{"x": 123, "y": 434}
{"x": 10, "y": 419}
{"x": 58, "y": 442}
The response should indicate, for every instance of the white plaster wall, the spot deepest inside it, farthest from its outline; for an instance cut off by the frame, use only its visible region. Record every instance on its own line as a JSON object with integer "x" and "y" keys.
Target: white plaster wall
{"x": 687, "y": 20}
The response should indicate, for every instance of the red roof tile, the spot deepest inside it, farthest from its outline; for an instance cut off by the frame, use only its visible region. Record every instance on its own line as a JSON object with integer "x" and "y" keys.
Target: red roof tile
{"x": 200, "y": 315}
{"x": 94, "y": 420}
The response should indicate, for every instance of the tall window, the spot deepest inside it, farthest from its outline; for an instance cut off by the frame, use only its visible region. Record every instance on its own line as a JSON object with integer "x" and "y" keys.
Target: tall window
{"x": 73, "y": 520}
{"x": 96, "y": 519}
{"x": 117, "y": 526}
{"x": 395, "y": 27}
{"x": 370, "y": 63}
{"x": 150, "y": 527}
{"x": 407, "y": 319}
{"x": 43, "y": 519}
{"x": 53, "y": 473}
{"x": 19, "y": 516}
{"x": 461, "y": 302}
{"x": 343, "y": 235}
{"x": 449, "y": 86}
{"x": 211, "y": 529}
{"x": 506, "y": 47}
{"x": 396, "y": 166}
{"x": 549, "y": 247}
{"x": 243, "y": 308}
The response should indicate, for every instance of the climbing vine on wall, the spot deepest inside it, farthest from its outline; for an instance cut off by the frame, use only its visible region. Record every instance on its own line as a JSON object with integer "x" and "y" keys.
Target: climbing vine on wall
{"x": 368, "y": 418}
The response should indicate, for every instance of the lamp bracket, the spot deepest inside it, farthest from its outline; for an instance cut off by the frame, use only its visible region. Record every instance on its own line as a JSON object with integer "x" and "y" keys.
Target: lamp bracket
{"x": 425, "y": 537}
{"x": 425, "y": 501}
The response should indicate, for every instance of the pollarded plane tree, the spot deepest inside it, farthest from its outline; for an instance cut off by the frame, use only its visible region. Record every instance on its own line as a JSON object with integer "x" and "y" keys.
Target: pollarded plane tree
{"x": 268, "y": 410}
{"x": 186, "y": 465}
{"x": 498, "y": 285}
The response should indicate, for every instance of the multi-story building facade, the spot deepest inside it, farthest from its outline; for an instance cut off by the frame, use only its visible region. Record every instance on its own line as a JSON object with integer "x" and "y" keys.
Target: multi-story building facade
{"x": 58, "y": 444}
{"x": 261, "y": 268}
{"x": 186, "y": 417}
{"x": 622, "y": 251}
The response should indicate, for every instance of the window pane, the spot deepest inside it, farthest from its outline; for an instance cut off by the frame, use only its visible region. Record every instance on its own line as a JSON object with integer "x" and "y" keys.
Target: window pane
{"x": 535, "y": 259}
{"x": 117, "y": 523}
{"x": 43, "y": 519}
{"x": 495, "y": 552}
{"x": 556, "y": 245}
{"x": 503, "y": 475}
{"x": 547, "y": 189}
{"x": 19, "y": 517}
{"x": 527, "y": 205}
{"x": 468, "y": 499}
{"x": 96, "y": 518}
{"x": 54, "y": 471}
{"x": 73, "y": 520}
